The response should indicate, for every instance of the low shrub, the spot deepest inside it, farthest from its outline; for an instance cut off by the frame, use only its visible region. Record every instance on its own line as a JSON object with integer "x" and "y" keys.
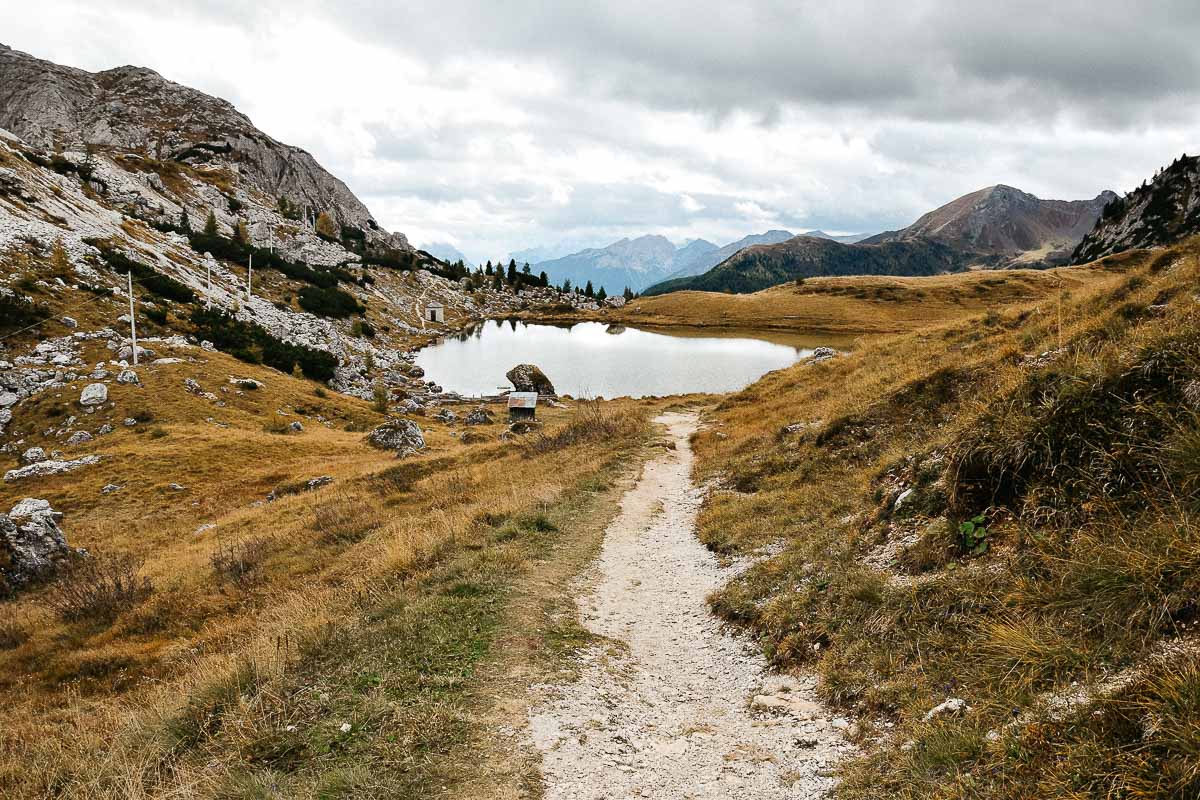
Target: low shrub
{"x": 237, "y": 561}
{"x": 17, "y": 313}
{"x": 253, "y": 344}
{"x": 12, "y": 635}
{"x": 329, "y": 302}
{"x": 98, "y": 588}
{"x": 592, "y": 422}
{"x": 149, "y": 278}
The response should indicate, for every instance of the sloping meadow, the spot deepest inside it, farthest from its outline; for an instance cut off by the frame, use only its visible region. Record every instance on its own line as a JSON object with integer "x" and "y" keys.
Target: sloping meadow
{"x": 322, "y": 644}
{"x": 1000, "y": 511}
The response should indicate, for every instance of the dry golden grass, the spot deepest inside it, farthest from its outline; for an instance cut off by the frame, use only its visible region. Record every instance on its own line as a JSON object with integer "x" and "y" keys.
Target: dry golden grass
{"x": 167, "y": 698}
{"x": 854, "y": 305}
{"x": 1081, "y": 462}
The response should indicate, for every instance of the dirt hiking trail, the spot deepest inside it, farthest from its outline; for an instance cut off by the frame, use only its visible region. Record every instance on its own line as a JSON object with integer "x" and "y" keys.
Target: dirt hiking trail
{"x": 662, "y": 708}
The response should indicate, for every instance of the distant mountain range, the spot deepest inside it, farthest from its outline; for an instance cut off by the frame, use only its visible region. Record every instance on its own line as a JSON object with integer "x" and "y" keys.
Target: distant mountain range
{"x": 647, "y": 260}
{"x": 446, "y": 252}
{"x": 994, "y": 227}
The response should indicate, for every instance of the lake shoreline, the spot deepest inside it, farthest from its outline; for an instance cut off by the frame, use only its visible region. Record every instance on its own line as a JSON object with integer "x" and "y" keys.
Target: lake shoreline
{"x": 594, "y": 358}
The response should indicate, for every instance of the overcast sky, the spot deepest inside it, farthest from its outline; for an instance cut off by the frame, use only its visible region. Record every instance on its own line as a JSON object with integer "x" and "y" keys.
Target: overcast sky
{"x": 504, "y": 124}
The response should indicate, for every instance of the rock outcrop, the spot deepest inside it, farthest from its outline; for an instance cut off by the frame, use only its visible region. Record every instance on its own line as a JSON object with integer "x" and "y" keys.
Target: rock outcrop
{"x": 530, "y": 378}
{"x": 32, "y": 545}
{"x": 399, "y": 435}
{"x": 136, "y": 109}
{"x": 43, "y": 469}
{"x": 1157, "y": 213}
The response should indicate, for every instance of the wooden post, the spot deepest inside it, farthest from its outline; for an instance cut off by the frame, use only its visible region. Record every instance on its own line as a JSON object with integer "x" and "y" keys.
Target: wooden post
{"x": 132, "y": 320}
{"x": 249, "y": 277}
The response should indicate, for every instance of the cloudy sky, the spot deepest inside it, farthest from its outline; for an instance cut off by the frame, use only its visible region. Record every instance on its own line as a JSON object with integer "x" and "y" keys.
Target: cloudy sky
{"x": 500, "y": 125}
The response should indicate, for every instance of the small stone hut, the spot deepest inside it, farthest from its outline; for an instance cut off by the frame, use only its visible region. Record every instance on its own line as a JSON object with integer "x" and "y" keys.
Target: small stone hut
{"x": 435, "y": 312}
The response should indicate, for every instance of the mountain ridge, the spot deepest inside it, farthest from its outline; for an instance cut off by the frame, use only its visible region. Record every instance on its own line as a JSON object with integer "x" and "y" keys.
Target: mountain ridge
{"x": 134, "y": 108}
{"x": 1159, "y": 212}
{"x": 997, "y": 226}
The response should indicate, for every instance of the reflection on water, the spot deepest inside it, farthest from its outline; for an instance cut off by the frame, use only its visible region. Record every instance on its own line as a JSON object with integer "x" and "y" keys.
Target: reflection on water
{"x": 593, "y": 359}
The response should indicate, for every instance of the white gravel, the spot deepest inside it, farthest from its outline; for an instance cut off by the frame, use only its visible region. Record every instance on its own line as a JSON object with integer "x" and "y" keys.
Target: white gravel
{"x": 665, "y": 711}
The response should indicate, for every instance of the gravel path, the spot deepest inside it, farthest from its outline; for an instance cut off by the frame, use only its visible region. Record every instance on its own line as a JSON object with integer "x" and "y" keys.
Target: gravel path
{"x": 675, "y": 707}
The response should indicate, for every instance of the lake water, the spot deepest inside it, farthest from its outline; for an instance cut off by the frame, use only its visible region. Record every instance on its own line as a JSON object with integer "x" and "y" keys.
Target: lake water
{"x": 591, "y": 359}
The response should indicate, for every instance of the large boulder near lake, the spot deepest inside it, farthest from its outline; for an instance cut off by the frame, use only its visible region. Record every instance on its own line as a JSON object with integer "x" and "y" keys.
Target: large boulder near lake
{"x": 32, "y": 546}
{"x": 530, "y": 378}
{"x": 401, "y": 435}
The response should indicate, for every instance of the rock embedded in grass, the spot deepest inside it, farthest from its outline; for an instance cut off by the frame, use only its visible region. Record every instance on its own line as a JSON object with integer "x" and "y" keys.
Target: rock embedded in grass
{"x": 46, "y": 468}
{"x": 94, "y": 394}
{"x": 951, "y": 707}
{"x": 31, "y": 544}
{"x": 399, "y": 435}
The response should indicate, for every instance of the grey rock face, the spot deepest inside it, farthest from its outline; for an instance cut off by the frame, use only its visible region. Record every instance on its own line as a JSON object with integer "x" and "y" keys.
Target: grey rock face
{"x": 94, "y": 394}
{"x": 33, "y": 455}
{"x": 401, "y": 435}
{"x": 31, "y": 545}
{"x": 135, "y": 108}
{"x": 128, "y": 376}
{"x": 530, "y": 378}
{"x": 79, "y": 437}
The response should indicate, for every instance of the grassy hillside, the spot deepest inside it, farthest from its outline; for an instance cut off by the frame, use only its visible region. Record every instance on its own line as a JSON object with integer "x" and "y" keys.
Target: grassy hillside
{"x": 255, "y": 631}
{"x": 860, "y": 304}
{"x": 1064, "y": 615}
{"x": 761, "y": 266}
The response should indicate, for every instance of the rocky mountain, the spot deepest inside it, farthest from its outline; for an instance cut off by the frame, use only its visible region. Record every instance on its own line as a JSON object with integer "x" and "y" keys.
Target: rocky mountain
{"x": 135, "y": 109}
{"x": 122, "y": 172}
{"x": 635, "y": 263}
{"x": 1003, "y": 221}
{"x": 711, "y": 258}
{"x": 648, "y": 260}
{"x": 994, "y": 227}
{"x": 761, "y": 266}
{"x": 1160, "y": 212}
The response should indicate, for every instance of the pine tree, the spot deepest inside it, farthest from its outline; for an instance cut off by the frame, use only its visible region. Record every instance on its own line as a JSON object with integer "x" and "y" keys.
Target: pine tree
{"x": 525, "y": 270}
{"x": 60, "y": 262}
{"x": 210, "y": 224}
{"x": 628, "y": 294}
{"x": 488, "y": 270}
{"x": 544, "y": 278}
{"x": 185, "y": 222}
{"x": 497, "y": 281}
{"x": 589, "y": 291}
{"x": 512, "y": 271}
{"x": 600, "y": 295}
{"x": 566, "y": 286}
{"x": 241, "y": 231}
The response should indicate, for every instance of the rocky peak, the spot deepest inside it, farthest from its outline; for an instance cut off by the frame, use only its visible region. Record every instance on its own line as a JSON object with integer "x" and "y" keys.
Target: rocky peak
{"x": 1159, "y": 212}
{"x": 1002, "y": 220}
{"x": 135, "y": 109}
